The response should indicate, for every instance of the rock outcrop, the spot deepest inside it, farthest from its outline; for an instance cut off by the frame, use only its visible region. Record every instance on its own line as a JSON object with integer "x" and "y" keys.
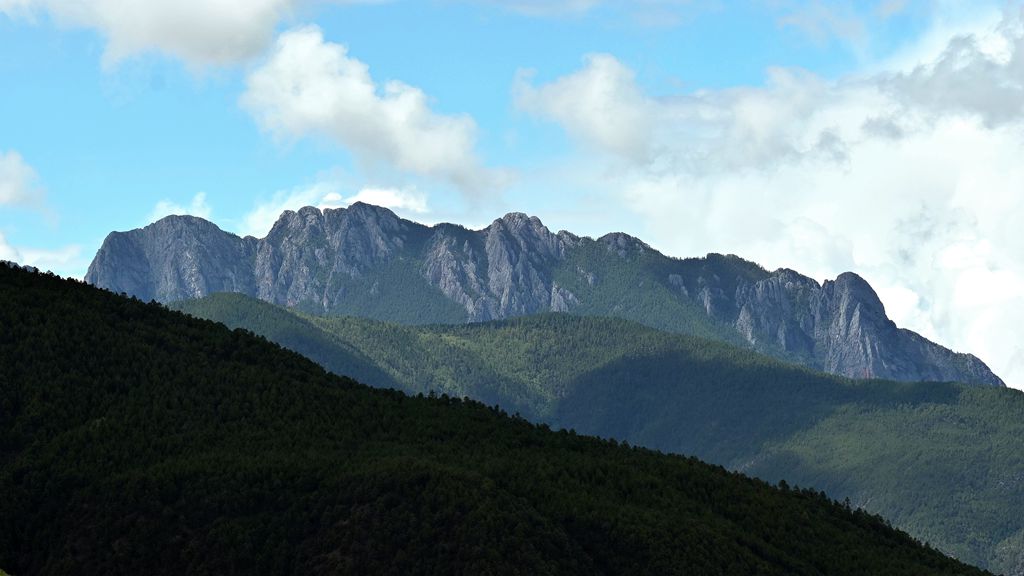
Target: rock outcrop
{"x": 175, "y": 258}
{"x": 841, "y": 327}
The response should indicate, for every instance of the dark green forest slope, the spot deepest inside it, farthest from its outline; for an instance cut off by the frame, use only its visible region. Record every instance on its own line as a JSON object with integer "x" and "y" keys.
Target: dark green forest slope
{"x": 942, "y": 461}
{"x": 134, "y": 440}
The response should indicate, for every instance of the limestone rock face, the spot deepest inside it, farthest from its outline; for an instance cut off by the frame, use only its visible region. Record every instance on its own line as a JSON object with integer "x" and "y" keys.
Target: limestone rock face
{"x": 841, "y": 327}
{"x": 503, "y": 270}
{"x": 175, "y": 258}
{"x": 307, "y": 250}
{"x": 364, "y": 257}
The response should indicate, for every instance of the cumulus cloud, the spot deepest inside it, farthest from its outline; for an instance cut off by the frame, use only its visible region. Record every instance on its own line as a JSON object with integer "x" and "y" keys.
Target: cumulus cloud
{"x": 69, "y": 261}
{"x": 197, "y": 31}
{"x": 977, "y": 75}
{"x": 403, "y": 200}
{"x": 911, "y": 177}
{"x": 600, "y": 104}
{"x": 705, "y": 132}
{"x": 258, "y": 221}
{"x": 312, "y": 87}
{"x": 19, "y": 183}
{"x": 327, "y": 194}
{"x": 197, "y": 207}
{"x": 66, "y": 261}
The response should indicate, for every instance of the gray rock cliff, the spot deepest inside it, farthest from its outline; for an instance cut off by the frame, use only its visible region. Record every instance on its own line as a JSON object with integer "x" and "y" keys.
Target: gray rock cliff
{"x": 841, "y": 327}
{"x": 175, "y": 258}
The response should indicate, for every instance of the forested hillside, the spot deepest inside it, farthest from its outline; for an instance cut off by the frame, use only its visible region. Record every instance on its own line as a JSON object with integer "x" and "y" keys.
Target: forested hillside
{"x": 134, "y": 440}
{"x": 943, "y": 461}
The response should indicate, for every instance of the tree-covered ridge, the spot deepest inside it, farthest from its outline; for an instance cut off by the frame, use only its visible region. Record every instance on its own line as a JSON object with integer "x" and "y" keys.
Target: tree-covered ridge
{"x": 138, "y": 441}
{"x": 525, "y": 364}
{"x": 940, "y": 460}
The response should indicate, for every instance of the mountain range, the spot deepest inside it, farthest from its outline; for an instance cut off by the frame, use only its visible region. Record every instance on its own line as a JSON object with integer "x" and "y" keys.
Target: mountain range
{"x": 366, "y": 261}
{"x": 135, "y": 440}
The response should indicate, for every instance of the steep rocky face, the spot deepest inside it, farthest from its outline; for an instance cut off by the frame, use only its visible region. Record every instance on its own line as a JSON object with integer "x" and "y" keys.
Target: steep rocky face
{"x": 852, "y": 330}
{"x": 175, "y": 258}
{"x": 503, "y": 270}
{"x": 364, "y": 260}
{"x": 308, "y": 254}
{"x": 520, "y": 255}
{"x": 778, "y": 311}
{"x": 456, "y": 263}
{"x": 841, "y": 327}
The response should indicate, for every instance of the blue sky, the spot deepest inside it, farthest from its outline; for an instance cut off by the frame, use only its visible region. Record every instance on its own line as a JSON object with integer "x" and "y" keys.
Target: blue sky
{"x": 882, "y": 137}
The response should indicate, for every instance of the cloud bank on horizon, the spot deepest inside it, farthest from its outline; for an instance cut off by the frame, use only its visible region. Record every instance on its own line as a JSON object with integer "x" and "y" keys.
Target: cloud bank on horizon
{"x": 903, "y": 167}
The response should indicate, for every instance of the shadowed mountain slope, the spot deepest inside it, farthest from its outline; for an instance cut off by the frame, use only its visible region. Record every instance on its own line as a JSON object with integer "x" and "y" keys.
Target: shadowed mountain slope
{"x": 904, "y": 450}
{"x": 134, "y": 440}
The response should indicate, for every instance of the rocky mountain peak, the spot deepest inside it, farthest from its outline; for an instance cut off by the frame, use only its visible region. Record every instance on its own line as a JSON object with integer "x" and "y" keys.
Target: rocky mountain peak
{"x": 850, "y": 282}
{"x": 369, "y": 212}
{"x": 179, "y": 220}
{"x": 516, "y": 232}
{"x": 309, "y": 212}
{"x": 517, "y": 220}
{"x": 308, "y": 252}
{"x": 568, "y": 238}
{"x": 173, "y": 258}
{"x": 849, "y": 288}
{"x": 790, "y": 276}
{"x": 623, "y": 244}
{"x": 301, "y": 220}
{"x": 182, "y": 226}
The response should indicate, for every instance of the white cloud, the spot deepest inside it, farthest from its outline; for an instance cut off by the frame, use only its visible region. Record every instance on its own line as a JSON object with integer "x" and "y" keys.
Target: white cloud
{"x": 68, "y": 261}
{"x": 18, "y": 8}
{"x": 949, "y": 20}
{"x": 197, "y": 31}
{"x": 399, "y": 200}
{"x": 197, "y": 207}
{"x": 981, "y": 75}
{"x": 258, "y": 221}
{"x": 8, "y": 252}
{"x": 312, "y": 87}
{"x": 865, "y": 30}
{"x": 19, "y": 183}
{"x": 326, "y": 194}
{"x": 910, "y": 177}
{"x": 600, "y": 104}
